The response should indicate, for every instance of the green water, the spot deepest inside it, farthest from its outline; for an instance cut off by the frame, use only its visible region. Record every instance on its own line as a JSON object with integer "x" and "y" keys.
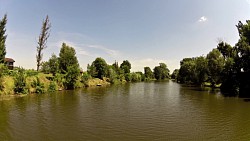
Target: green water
{"x": 135, "y": 111}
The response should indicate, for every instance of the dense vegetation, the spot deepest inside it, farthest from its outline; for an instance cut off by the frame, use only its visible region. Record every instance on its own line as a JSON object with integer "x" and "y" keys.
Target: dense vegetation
{"x": 225, "y": 66}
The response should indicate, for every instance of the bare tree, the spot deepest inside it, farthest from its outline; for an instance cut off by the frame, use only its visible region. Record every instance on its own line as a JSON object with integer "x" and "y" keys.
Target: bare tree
{"x": 44, "y": 35}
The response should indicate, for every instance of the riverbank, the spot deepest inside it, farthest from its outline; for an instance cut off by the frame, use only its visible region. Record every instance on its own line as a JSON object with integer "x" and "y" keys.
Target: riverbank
{"x": 42, "y": 83}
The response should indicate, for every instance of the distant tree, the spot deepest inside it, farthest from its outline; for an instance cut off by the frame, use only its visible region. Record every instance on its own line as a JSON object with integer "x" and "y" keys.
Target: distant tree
{"x": 158, "y": 72}
{"x": 201, "y": 70}
{"x": 42, "y": 41}
{"x": 175, "y": 73}
{"x": 126, "y": 66}
{"x": 53, "y": 64}
{"x": 161, "y": 72}
{"x": 45, "y": 68}
{"x": 148, "y": 73}
{"x": 99, "y": 68}
{"x": 193, "y": 70}
{"x": 3, "y": 37}
{"x": 215, "y": 66}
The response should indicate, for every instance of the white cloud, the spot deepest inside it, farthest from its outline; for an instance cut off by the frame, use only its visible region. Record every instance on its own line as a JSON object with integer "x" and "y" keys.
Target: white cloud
{"x": 106, "y": 50}
{"x": 248, "y": 1}
{"x": 203, "y": 19}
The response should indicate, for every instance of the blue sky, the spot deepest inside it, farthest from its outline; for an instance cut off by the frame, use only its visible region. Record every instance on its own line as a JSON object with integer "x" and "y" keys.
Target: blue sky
{"x": 145, "y": 32}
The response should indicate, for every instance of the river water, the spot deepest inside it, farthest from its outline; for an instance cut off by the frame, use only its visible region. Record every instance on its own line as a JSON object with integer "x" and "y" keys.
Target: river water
{"x": 136, "y": 111}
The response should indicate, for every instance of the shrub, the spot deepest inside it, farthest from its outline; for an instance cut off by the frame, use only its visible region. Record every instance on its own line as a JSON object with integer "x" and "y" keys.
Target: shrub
{"x": 3, "y": 70}
{"x": 38, "y": 85}
{"x": 31, "y": 73}
{"x": 52, "y": 86}
{"x": 20, "y": 81}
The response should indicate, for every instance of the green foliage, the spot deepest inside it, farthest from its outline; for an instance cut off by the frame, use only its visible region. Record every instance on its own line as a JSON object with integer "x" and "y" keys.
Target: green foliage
{"x": 67, "y": 57}
{"x": 3, "y": 37}
{"x": 127, "y": 77}
{"x": 31, "y": 73}
{"x": 215, "y": 66}
{"x": 20, "y": 81}
{"x": 161, "y": 72}
{"x": 175, "y": 74}
{"x": 52, "y": 86}
{"x": 112, "y": 75}
{"x": 59, "y": 79}
{"x": 53, "y": 64}
{"x": 99, "y": 68}
{"x": 193, "y": 71}
{"x": 38, "y": 85}
{"x": 3, "y": 70}
{"x": 126, "y": 66}
{"x": 68, "y": 65}
{"x": 136, "y": 77}
{"x": 148, "y": 73}
{"x": 71, "y": 76}
{"x": 45, "y": 68}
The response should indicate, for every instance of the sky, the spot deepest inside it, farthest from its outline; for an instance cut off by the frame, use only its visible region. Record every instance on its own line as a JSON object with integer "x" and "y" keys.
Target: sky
{"x": 145, "y": 32}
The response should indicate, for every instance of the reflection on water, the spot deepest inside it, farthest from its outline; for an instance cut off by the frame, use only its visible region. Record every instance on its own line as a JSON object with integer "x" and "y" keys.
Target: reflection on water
{"x": 133, "y": 111}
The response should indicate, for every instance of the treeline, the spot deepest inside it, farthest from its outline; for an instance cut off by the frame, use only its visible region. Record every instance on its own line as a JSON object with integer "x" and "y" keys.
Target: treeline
{"x": 67, "y": 64}
{"x": 63, "y": 71}
{"x": 226, "y": 66}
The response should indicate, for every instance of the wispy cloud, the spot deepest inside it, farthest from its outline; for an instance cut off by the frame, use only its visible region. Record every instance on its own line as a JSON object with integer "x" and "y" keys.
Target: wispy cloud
{"x": 248, "y": 1}
{"x": 203, "y": 19}
{"x": 106, "y": 50}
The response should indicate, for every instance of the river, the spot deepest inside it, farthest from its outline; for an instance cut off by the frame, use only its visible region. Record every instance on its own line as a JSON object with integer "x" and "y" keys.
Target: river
{"x": 150, "y": 111}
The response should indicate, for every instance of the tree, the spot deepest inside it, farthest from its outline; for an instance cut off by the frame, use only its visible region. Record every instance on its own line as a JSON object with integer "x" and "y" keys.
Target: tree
{"x": 99, "y": 68}
{"x": 175, "y": 73}
{"x": 148, "y": 73}
{"x": 3, "y": 37}
{"x": 67, "y": 57}
{"x": 42, "y": 41}
{"x": 126, "y": 66}
{"x": 193, "y": 70}
{"x": 68, "y": 65}
{"x": 243, "y": 45}
{"x": 215, "y": 66}
{"x": 161, "y": 72}
{"x": 53, "y": 64}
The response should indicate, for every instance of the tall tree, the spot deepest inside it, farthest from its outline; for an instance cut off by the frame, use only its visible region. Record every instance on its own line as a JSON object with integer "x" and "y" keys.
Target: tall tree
{"x": 126, "y": 66}
{"x": 68, "y": 65}
{"x": 3, "y": 37}
{"x": 42, "y": 41}
{"x": 161, "y": 72}
{"x": 148, "y": 73}
{"x": 67, "y": 57}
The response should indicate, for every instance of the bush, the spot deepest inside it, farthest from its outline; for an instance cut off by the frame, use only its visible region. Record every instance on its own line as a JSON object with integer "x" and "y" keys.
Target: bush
{"x": 59, "y": 79}
{"x": 20, "y": 81}
{"x": 52, "y": 86}
{"x": 3, "y": 70}
{"x": 31, "y": 73}
{"x": 38, "y": 85}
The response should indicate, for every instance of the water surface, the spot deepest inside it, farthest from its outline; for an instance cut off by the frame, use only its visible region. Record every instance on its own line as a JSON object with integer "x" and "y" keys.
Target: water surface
{"x": 134, "y": 111}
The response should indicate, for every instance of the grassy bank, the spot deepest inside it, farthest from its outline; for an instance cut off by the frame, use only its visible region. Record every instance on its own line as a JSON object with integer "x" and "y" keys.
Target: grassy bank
{"x": 43, "y": 83}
